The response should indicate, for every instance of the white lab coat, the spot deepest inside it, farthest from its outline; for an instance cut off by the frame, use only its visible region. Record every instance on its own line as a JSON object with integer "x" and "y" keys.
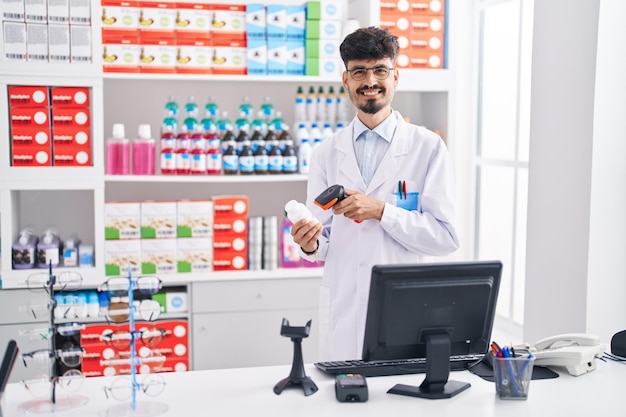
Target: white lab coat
{"x": 350, "y": 249}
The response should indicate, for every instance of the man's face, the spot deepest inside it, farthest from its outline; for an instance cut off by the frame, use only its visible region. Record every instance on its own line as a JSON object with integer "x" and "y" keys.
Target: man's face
{"x": 370, "y": 94}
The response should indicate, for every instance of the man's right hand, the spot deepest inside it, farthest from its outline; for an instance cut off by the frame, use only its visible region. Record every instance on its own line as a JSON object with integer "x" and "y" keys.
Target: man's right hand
{"x": 305, "y": 234}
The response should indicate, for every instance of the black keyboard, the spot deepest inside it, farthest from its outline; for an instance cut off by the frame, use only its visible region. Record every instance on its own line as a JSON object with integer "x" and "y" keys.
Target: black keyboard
{"x": 392, "y": 367}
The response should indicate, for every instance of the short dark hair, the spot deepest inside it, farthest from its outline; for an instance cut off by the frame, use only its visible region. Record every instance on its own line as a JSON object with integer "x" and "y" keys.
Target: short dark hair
{"x": 369, "y": 43}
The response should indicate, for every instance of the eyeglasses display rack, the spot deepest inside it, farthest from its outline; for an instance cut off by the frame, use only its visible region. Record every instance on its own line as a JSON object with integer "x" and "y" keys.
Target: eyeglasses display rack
{"x": 152, "y": 385}
{"x": 47, "y": 397}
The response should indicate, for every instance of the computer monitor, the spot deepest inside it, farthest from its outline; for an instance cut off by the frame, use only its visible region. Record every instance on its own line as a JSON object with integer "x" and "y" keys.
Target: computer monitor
{"x": 431, "y": 311}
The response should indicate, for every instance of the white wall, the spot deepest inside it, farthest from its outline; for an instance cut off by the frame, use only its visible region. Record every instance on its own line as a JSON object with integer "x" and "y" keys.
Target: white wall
{"x": 576, "y": 240}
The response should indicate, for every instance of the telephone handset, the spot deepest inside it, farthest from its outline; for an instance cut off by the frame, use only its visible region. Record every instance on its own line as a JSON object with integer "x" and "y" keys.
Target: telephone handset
{"x": 575, "y": 351}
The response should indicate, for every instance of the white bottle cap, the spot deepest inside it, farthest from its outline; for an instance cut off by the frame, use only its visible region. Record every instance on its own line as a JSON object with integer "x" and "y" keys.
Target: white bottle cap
{"x": 144, "y": 131}
{"x": 118, "y": 131}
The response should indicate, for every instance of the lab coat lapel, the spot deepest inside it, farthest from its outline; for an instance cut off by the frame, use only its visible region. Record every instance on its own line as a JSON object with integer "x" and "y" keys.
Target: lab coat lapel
{"x": 346, "y": 160}
{"x": 392, "y": 160}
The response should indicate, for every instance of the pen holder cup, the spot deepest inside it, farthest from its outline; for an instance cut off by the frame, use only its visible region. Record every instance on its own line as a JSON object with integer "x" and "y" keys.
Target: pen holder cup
{"x": 512, "y": 376}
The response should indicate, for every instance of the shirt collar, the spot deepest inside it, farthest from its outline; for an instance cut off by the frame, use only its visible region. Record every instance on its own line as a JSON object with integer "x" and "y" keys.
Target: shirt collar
{"x": 385, "y": 129}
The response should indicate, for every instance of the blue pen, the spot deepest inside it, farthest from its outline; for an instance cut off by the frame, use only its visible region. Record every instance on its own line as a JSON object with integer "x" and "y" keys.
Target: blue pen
{"x": 513, "y": 379}
{"x": 520, "y": 372}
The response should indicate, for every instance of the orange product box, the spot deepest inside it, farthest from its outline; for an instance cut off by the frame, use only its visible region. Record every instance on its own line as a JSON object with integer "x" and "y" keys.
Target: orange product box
{"x": 228, "y": 21}
{"x": 28, "y": 96}
{"x": 192, "y": 22}
{"x": 71, "y": 136}
{"x": 232, "y": 243}
{"x": 157, "y": 55}
{"x": 120, "y": 54}
{"x": 120, "y": 16}
{"x": 231, "y": 206}
{"x": 69, "y": 96}
{"x": 229, "y": 57}
{"x": 426, "y": 42}
{"x": 193, "y": 59}
{"x": 70, "y": 116}
{"x": 230, "y": 261}
{"x": 157, "y": 18}
{"x": 29, "y": 116}
{"x": 427, "y": 59}
{"x": 37, "y": 136}
{"x": 428, "y": 7}
{"x": 31, "y": 156}
{"x": 394, "y": 7}
{"x": 426, "y": 23}
{"x": 72, "y": 156}
{"x": 398, "y": 24}
{"x": 232, "y": 226}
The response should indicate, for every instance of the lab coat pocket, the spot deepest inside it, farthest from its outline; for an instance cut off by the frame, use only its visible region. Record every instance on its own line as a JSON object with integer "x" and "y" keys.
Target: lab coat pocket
{"x": 407, "y": 201}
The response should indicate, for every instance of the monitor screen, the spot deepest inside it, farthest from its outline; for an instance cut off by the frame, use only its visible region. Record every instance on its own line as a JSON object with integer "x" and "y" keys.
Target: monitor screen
{"x": 431, "y": 311}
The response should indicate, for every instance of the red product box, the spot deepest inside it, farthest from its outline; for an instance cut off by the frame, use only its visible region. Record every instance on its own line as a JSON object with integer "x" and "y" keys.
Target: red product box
{"x": 230, "y": 261}
{"x": 230, "y": 226}
{"x": 192, "y": 23}
{"x": 398, "y": 24}
{"x": 228, "y": 21}
{"x": 230, "y": 242}
{"x": 426, "y": 23}
{"x": 31, "y": 156}
{"x": 231, "y": 206}
{"x": 29, "y": 116}
{"x": 70, "y": 116}
{"x": 28, "y": 96}
{"x": 426, "y": 42}
{"x": 157, "y": 18}
{"x": 71, "y": 136}
{"x": 427, "y": 59}
{"x": 37, "y": 136}
{"x": 72, "y": 156}
{"x": 69, "y": 96}
{"x": 428, "y": 7}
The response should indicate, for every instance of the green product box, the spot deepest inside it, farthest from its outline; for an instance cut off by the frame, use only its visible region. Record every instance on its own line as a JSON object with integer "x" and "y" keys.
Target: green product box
{"x": 160, "y": 298}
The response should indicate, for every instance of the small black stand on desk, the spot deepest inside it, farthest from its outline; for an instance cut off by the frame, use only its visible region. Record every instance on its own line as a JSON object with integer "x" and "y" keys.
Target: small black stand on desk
{"x": 297, "y": 376}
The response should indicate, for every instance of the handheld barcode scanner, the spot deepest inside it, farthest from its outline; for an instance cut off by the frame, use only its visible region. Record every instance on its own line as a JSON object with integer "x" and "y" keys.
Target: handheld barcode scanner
{"x": 331, "y": 196}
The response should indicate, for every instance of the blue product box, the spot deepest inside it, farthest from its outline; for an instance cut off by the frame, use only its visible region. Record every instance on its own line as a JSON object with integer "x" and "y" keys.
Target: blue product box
{"x": 295, "y": 57}
{"x": 296, "y": 22}
{"x": 276, "y": 57}
{"x": 256, "y": 21}
{"x": 257, "y": 57}
{"x": 276, "y": 21}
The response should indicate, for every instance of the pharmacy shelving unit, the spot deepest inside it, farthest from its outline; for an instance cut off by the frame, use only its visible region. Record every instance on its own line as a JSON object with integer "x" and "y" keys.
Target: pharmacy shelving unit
{"x": 72, "y": 199}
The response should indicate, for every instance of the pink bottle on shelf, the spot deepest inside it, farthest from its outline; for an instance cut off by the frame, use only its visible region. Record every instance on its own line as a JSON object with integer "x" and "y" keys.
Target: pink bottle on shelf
{"x": 213, "y": 154}
{"x": 183, "y": 160}
{"x": 289, "y": 250}
{"x": 118, "y": 152}
{"x": 144, "y": 152}
{"x": 198, "y": 154}
{"x": 168, "y": 152}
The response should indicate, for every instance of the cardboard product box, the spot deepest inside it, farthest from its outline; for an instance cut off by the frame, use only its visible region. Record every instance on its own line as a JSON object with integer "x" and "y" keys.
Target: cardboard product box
{"x": 80, "y": 44}
{"x": 398, "y": 24}
{"x": 322, "y": 48}
{"x": 230, "y": 243}
{"x": 427, "y": 23}
{"x": 323, "y": 67}
{"x": 256, "y": 21}
{"x": 276, "y": 22}
{"x": 29, "y": 116}
{"x": 428, "y": 7}
{"x": 31, "y": 156}
{"x": 427, "y": 59}
{"x": 276, "y": 57}
{"x": 231, "y": 226}
{"x": 122, "y": 257}
{"x": 120, "y": 54}
{"x": 157, "y": 19}
{"x": 194, "y": 59}
{"x": 70, "y": 96}
{"x": 194, "y": 255}
{"x": 58, "y": 11}
{"x": 324, "y": 9}
{"x": 37, "y": 136}
{"x": 12, "y": 10}
{"x": 71, "y": 156}
{"x": 257, "y": 56}
{"x": 194, "y": 218}
{"x": 122, "y": 220}
{"x": 296, "y": 22}
{"x": 28, "y": 96}
{"x": 157, "y": 55}
{"x": 229, "y": 57}
{"x": 192, "y": 23}
{"x": 71, "y": 136}
{"x": 228, "y": 22}
{"x": 36, "y": 11}
{"x": 323, "y": 29}
{"x": 14, "y": 41}
{"x": 395, "y": 7}
{"x": 120, "y": 16}
{"x": 158, "y": 219}
{"x": 230, "y": 261}
{"x": 71, "y": 117}
{"x": 426, "y": 42}
{"x": 295, "y": 57}
{"x": 158, "y": 256}
{"x": 37, "y": 42}
{"x": 80, "y": 12}
{"x": 231, "y": 206}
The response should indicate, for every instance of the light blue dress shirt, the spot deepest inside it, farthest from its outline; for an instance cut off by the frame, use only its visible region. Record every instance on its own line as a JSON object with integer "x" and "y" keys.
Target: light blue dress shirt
{"x": 370, "y": 145}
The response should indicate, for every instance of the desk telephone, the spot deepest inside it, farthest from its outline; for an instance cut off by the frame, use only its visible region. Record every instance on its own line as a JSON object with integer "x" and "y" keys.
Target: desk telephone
{"x": 574, "y": 351}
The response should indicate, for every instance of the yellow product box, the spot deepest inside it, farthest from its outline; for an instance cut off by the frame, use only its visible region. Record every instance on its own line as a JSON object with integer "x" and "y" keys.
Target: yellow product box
{"x": 194, "y": 218}
{"x": 120, "y": 256}
{"x": 122, "y": 221}
{"x": 158, "y": 256}
{"x": 194, "y": 254}
{"x": 158, "y": 219}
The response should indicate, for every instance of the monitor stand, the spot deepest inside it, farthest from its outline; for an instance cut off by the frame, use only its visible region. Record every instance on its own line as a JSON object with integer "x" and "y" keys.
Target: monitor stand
{"x": 435, "y": 385}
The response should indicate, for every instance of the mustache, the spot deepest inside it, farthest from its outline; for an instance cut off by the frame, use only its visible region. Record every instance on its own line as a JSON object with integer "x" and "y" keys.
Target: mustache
{"x": 370, "y": 87}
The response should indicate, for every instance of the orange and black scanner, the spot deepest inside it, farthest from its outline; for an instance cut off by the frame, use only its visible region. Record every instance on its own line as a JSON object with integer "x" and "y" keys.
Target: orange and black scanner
{"x": 331, "y": 196}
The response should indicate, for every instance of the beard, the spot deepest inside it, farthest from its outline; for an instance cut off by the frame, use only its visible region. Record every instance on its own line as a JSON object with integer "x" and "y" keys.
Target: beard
{"x": 372, "y": 106}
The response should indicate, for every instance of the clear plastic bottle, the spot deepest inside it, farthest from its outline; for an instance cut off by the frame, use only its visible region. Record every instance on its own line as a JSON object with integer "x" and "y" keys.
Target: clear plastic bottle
{"x": 290, "y": 252}
{"x": 246, "y": 109}
{"x": 191, "y": 113}
{"x": 144, "y": 152}
{"x": 211, "y": 109}
{"x": 168, "y": 152}
{"x": 242, "y": 122}
{"x": 118, "y": 152}
{"x": 304, "y": 156}
{"x": 224, "y": 125}
{"x": 278, "y": 123}
{"x": 268, "y": 109}
{"x": 260, "y": 123}
{"x": 170, "y": 118}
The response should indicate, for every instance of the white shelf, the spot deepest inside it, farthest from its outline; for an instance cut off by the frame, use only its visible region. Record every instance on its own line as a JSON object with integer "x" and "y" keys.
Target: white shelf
{"x": 206, "y": 178}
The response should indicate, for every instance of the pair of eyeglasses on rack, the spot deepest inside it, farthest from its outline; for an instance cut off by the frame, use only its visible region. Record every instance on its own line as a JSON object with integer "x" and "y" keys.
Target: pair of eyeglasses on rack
{"x": 69, "y": 354}
{"x": 122, "y": 387}
{"x": 65, "y": 330}
{"x": 71, "y": 381}
{"x": 61, "y": 281}
{"x": 121, "y": 339}
{"x": 118, "y": 286}
{"x": 117, "y": 289}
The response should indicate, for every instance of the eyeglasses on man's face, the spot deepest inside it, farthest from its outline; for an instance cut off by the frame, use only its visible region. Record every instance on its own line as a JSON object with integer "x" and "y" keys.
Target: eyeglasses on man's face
{"x": 381, "y": 72}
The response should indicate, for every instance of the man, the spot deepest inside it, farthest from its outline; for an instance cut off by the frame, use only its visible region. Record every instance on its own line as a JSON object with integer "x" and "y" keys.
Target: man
{"x": 382, "y": 162}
